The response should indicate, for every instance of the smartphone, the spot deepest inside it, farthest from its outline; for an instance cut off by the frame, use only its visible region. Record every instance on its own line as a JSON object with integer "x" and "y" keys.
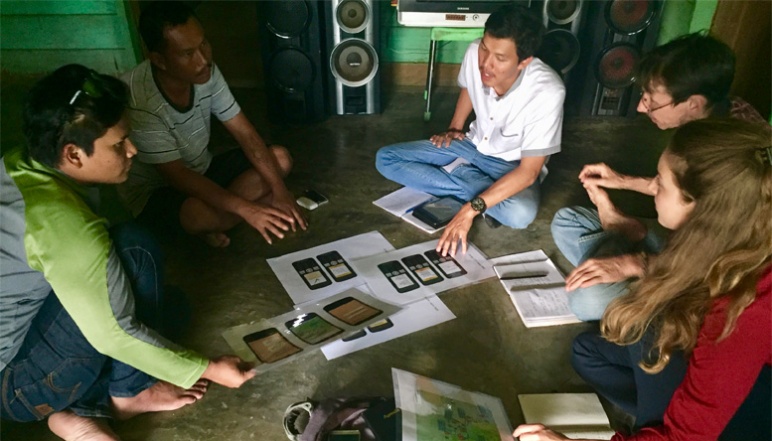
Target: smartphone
{"x": 338, "y": 268}
{"x": 311, "y": 200}
{"x": 311, "y": 273}
{"x": 420, "y": 268}
{"x": 270, "y": 346}
{"x": 437, "y": 213}
{"x": 381, "y": 325}
{"x": 398, "y": 276}
{"x": 447, "y": 264}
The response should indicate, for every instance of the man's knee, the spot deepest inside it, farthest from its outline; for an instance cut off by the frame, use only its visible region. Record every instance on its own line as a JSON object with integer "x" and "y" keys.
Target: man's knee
{"x": 132, "y": 241}
{"x": 383, "y": 159}
{"x": 518, "y": 216}
{"x": 565, "y": 216}
{"x": 283, "y": 158}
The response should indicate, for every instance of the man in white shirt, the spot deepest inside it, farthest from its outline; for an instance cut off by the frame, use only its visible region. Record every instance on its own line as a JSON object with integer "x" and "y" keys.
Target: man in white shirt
{"x": 173, "y": 96}
{"x": 498, "y": 164}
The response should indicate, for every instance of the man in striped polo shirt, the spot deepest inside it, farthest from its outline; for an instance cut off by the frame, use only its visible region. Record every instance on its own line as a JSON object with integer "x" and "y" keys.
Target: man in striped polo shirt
{"x": 176, "y": 179}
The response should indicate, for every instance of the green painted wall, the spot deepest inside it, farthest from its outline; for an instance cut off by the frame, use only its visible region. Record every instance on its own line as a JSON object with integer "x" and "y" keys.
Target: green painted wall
{"x": 39, "y": 36}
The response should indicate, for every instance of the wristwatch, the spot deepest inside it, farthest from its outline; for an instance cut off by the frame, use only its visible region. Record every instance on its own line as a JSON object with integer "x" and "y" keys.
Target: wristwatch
{"x": 478, "y": 204}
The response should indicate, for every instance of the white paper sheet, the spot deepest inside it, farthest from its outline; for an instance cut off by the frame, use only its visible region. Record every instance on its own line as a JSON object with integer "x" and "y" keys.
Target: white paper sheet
{"x": 350, "y": 248}
{"x": 435, "y": 410}
{"x": 291, "y": 335}
{"x": 420, "y": 315}
{"x": 474, "y": 262}
{"x": 401, "y": 203}
{"x": 577, "y": 415}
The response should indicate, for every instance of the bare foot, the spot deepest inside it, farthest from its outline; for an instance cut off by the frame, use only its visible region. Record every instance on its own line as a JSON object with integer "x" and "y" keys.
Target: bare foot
{"x": 71, "y": 427}
{"x": 159, "y": 397}
{"x": 216, "y": 240}
{"x": 611, "y": 219}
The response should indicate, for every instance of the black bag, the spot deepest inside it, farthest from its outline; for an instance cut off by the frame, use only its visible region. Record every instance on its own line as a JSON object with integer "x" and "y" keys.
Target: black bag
{"x": 375, "y": 418}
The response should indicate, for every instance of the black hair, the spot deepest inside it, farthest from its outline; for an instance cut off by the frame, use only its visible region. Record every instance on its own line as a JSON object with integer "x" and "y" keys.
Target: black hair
{"x": 518, "y": 23}
{"x": 693, "y": 64}
{"x": 156, "y": 16}
{"x": 73, "y": 105}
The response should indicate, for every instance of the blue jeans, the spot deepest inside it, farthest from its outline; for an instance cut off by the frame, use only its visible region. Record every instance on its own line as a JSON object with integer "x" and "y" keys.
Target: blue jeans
{"x": 613, "y": 371}
{"x": 56, "y": 368}
{"x": 578, "y": 234}
{"x": 419, "y": 165}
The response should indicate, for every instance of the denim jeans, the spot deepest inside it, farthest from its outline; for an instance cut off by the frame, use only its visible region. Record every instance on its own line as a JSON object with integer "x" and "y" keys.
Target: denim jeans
{"x": 578, "y": 234}
{"x": 419, "y": 165}
{"x": 613, "y": 371}
{"x": 56, "y": 368}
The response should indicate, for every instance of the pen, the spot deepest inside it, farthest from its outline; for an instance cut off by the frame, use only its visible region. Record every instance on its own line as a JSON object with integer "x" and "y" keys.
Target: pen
{"x": 526, "y": 275}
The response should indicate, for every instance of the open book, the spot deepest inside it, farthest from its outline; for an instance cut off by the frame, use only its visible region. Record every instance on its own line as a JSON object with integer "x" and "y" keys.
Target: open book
{"x": 536, "y": 287}
{"x": 402, "y": 202}
{"x": 574, "y": 415}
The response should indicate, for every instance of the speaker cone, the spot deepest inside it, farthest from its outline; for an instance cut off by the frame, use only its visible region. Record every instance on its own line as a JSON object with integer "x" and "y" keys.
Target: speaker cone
{"x": 629, "y": 16}
{"x": 288, "y": 18}
{"x": 291, "y": 70}
{"x": 562, "y": 11}
{"x": 616, "y": 65}
{"x": 352, "y": 15}
{"x": 354, "y": 62}
{"x": 559, "y": 49}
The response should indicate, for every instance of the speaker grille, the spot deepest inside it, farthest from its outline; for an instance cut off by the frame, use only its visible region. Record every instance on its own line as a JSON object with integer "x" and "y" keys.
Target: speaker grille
{"x": 288, "y": 18}
{"x": 616, "y": 65}
{"x": 292, "y": 71}
{"x": 563, "y": 11}
{"x": 630, "y": 16}
{"x": 560, "y": 50}
{"x": 354, "y": 62}
{"x": 352, "y": 16}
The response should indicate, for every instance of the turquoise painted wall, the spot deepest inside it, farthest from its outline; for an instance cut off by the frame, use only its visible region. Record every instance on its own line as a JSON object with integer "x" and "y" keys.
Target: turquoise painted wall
{"x": 39, "y": 36}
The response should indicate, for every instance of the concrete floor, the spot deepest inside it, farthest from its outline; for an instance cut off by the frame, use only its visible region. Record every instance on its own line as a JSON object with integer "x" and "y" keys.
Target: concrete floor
{"x": 485, "y": 349}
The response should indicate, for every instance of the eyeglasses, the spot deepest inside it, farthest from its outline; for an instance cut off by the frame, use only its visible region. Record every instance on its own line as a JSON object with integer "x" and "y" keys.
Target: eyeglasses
{"x": 91, "y": 87}
{"x": 650, "y": 109}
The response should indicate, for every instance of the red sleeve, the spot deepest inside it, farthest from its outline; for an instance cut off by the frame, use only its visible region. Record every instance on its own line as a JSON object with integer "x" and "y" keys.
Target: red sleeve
{"x": 720, "y": 375}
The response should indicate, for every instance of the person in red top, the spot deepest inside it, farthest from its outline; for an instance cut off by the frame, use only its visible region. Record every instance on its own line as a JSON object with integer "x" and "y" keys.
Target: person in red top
{"x": 688, "y": 351}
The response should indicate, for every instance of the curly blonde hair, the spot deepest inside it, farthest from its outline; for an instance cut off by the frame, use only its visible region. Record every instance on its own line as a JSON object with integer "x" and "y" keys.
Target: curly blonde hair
{"x": 719, "y": 251}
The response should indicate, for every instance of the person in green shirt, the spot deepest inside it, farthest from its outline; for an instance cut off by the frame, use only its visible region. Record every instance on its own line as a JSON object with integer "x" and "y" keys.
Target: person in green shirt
{"x": 83, "y": 312}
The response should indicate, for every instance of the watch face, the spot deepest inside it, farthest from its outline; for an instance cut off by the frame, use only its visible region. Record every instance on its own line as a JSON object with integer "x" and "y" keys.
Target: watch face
{"x": 478, "y": 204}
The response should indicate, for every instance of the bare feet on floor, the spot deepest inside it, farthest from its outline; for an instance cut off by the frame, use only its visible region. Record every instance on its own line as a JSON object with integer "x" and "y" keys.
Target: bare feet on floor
{"x": 161, "y": 396}
{"x": 216, "y": 240}
{"x": 611, "y": 219}
{"x": 71, "y": 427}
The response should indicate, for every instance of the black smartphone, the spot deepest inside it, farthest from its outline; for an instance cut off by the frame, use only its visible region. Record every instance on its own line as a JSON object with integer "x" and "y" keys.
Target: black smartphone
{"x": 311, "y": 273}
{"x": 447, "y": 264}
{"x": 338, "y": 268}
{"x": 270, "y": 346}
{"x": 420, "y": 268}
{"x": 437, "y": 213}
{"x": 398, "y": 276}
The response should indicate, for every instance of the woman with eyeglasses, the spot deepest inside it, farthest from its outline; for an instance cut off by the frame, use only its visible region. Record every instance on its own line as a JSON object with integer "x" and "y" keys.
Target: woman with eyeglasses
{"x": 685, "y": 80}
{"x": 687, "y": 351}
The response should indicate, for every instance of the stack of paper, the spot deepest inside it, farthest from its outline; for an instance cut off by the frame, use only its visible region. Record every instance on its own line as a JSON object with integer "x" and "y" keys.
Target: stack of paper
{"x": 574, "y": 415}
{"x": 402, "y": 202}
{"x": 536, "y": 287}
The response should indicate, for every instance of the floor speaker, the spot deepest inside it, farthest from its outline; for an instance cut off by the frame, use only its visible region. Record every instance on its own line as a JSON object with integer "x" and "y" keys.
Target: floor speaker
{"x": 291, "y": 45}
{"x": 352, "y": 56}
{"x": 614, "y": 35}
{"x": 560, "y": 46}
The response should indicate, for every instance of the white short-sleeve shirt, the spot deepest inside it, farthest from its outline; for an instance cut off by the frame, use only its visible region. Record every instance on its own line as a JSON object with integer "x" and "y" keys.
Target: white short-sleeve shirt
{"x": 525, "y": 121}
{"x": 163, "y": 133}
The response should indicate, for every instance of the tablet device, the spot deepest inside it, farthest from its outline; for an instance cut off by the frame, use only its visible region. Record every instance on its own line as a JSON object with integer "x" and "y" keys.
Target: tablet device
{"x": 437, "y": 213}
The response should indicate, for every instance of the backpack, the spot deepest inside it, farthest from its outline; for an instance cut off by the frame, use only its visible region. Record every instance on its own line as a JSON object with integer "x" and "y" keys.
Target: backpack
{"x": 374, "y": 418}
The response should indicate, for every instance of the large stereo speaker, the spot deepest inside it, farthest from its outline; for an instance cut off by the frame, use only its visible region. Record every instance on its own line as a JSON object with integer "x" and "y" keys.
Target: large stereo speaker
{"x": 560, "y": 46}
{"x": 614, "y": 36}
{"x": 352, "y": 55}
{"x": 291, "y": 45}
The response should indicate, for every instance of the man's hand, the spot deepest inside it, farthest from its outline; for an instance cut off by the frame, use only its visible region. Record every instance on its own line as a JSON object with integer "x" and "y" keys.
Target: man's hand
{"x": 266, "y": 220}
{"x": 444, "y": 139}
{"x": 456, "y": 230}
{"x": 601, "y": 175}
{"x": 285, "y": 202}
{"x": 537, "y": 432}
{"x": 229, "y": 371}
{"x": 605, "y": 270}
